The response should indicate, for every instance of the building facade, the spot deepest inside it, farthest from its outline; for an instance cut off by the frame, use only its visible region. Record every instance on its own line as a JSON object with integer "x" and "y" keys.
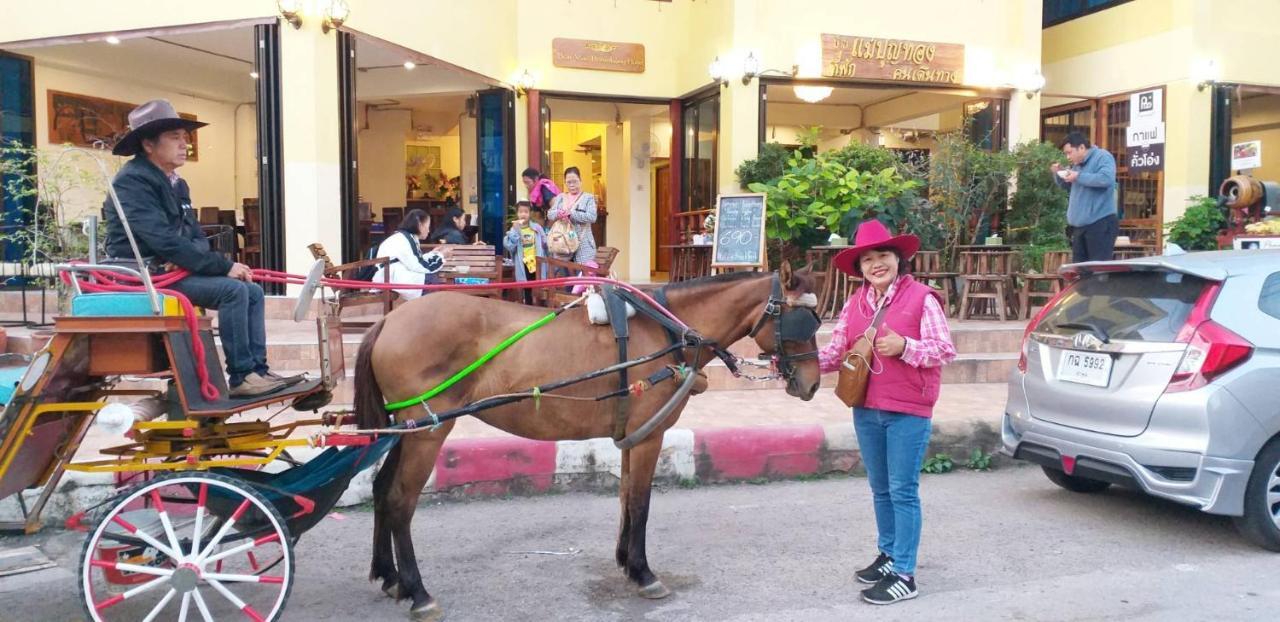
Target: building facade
{"x": 324, "y": 115}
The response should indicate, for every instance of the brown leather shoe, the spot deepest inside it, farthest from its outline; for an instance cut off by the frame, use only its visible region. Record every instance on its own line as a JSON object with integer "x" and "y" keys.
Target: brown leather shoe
{"x": 255, "y": 386}
{"x": 287, "y": 380}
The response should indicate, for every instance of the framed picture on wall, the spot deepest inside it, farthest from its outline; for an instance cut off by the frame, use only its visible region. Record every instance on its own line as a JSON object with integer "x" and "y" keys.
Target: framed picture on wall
{"x": 94, "y": 122}
{"x": 423, "y": 171}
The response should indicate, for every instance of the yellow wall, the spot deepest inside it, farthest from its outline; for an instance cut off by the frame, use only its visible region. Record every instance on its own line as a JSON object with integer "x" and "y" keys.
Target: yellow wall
{"x": 212, "y": 179}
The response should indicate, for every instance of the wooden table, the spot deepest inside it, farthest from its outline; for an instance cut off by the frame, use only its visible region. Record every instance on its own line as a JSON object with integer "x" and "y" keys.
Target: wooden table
{"x": 689, "y": 261}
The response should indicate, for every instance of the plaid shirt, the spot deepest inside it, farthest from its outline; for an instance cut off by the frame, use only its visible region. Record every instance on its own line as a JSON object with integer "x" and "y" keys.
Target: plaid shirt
{"x": 932, "y": 349}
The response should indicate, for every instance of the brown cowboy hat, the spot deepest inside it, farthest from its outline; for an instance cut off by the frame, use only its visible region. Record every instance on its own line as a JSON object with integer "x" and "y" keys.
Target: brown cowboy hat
{"x": 872, "y": 234}
{"x": 154, "y": 117}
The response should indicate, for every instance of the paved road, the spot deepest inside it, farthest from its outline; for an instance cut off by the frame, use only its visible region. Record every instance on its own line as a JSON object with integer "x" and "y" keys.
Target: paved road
{"x": 1005, "y": 545}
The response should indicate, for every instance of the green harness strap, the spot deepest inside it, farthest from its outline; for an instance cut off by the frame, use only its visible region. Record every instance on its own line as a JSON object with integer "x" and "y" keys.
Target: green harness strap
{"x": 506, "y": 343}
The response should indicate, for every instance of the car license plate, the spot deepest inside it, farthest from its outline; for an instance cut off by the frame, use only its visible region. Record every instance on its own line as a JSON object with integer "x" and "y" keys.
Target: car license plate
{"x": 1088, "y": 368}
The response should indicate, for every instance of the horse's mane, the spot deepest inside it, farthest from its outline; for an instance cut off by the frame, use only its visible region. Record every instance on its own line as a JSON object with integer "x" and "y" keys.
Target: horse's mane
{"x": 802, "y": 281}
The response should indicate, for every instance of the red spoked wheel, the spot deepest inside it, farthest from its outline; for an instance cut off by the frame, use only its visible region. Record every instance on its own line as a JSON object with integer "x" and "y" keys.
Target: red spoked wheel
{"x": 188, "y": 545}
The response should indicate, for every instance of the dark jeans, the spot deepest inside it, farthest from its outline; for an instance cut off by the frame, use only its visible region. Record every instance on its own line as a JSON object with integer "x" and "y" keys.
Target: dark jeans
{"x": 1095, "y": 241}
{"x": 241, "y": 320}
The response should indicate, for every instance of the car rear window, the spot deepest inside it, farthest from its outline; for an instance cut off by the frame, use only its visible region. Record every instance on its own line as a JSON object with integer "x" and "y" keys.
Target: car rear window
{"x": 1133, "y": 306}
{"x": 1269, "y": 300}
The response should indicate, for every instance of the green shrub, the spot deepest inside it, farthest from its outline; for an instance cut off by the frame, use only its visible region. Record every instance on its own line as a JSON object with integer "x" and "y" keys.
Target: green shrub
{"x": 1198, "y": 227}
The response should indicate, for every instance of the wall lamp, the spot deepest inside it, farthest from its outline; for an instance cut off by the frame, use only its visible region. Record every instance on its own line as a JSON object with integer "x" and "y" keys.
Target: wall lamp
{"x": 1033, "y": 84}
{"x": 524, "y": 83}
{"x": 291, "y": 10}
{"x": 750, "y": 70}
{"x": 335, "y": 15}
{"x": 1205, "y": 73}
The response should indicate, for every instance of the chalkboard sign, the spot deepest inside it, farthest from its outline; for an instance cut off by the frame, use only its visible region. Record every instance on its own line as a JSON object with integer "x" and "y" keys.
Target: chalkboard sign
{"x": 739, "y": 232}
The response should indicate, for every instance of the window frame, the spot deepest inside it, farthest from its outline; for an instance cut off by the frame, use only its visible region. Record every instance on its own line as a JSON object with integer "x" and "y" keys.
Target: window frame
{"x": 1045, "y": 23}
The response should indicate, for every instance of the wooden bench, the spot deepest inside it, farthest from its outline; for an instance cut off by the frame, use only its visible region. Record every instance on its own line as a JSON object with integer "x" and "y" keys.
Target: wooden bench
{"x": 355, "y": 297}
{"x": 470, "y": 261}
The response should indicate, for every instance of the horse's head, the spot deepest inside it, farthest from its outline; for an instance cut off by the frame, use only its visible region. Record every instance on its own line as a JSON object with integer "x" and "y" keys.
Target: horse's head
{"x": 788, "y": 329}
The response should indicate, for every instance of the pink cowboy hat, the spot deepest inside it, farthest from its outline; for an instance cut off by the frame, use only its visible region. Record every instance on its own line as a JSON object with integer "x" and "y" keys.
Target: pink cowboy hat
{"x": 872, "y": 234}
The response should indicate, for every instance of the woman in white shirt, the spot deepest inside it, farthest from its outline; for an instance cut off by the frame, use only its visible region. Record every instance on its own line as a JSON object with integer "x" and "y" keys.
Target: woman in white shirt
{"x": 409, "y": 265}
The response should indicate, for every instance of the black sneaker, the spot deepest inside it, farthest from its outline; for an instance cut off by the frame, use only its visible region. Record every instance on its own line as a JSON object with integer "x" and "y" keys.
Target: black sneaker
{"x": 891, "y": 589}
{"x": 876, "y": 571}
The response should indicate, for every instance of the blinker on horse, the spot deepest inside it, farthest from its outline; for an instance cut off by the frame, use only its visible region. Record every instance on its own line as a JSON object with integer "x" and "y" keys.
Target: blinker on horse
{"x": 424, "y": 342}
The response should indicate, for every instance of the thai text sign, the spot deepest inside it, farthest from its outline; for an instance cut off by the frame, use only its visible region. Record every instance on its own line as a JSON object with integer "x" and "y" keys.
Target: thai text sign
{"x": 739, "y": 234}
{"x": 898, "y": 60}
{"x": 601, "y": 55}
{"x": 1149, "y": 158}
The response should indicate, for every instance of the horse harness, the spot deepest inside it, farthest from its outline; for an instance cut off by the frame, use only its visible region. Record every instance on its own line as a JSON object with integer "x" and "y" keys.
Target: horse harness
{"x": 798, "y": 324}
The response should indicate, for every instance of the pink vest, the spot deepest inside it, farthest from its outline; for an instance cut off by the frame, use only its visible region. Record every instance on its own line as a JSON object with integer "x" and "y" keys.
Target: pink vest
{"x": 899, "y": 388}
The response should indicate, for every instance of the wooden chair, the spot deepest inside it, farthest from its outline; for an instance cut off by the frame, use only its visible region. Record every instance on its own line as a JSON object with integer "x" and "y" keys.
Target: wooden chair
{"x": 837, "y": 291}
{"x": 356, "y": 297}
{"x": 926, "y": 267}
{"x": 251, "y": 252}
{"x": 209, "y": 216}
{"x": 554, "y": 297}
{"x": 988, "y": 283}
{"x": 391, "y": 218}
{"x": 470, "y": 261}
{"x": 1053, "y": 260}
{"x": 605, "y": 256}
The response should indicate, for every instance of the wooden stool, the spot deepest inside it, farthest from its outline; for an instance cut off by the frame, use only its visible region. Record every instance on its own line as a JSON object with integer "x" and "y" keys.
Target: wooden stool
{"x": 1053, "y": 260}
{"x": 987, "y": 285}
{"x": 926, "y": 267}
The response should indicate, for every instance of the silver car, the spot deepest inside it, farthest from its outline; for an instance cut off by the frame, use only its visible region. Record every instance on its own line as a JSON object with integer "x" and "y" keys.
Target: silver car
{"x": 1161, "y": 374}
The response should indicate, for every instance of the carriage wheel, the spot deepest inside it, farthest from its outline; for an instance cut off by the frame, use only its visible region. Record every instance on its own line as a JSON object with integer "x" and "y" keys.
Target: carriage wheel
{"x": 188, "y": 545}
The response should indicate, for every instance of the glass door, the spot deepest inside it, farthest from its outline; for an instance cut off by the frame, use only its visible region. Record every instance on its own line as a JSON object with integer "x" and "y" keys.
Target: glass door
{"x": 17, "y": 125}
{"x": 495, "y": 127}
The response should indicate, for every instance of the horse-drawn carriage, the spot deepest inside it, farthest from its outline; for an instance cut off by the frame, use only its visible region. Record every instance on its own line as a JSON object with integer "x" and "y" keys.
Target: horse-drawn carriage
{"x": 210, "y": 501}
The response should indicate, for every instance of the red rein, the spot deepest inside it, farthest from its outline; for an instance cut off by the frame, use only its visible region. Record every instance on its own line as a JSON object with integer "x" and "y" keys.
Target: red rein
{"x": 113, "y": 282}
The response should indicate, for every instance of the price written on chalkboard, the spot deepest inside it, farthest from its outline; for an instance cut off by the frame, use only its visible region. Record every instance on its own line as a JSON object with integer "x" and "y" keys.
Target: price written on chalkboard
{"x": 739, "y": 234}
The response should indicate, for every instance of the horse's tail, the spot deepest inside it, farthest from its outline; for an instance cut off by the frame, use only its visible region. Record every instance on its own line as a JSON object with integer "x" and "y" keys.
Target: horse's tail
{"x": 371, "y": 411}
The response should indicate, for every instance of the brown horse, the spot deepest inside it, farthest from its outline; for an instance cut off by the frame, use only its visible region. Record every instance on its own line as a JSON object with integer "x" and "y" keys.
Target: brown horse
{"x": 424, "y": 342}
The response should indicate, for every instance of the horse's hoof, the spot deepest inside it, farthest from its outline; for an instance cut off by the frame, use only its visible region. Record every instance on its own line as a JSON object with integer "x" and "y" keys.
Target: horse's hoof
{"x": 430, "y": 612}
{"x": 655, "y": 591}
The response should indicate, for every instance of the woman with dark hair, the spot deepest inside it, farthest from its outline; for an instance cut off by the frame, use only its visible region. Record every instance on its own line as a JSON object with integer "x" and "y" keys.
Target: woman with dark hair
{"x": 906, "y": 324}
{"x": 408, "y": 263}
{"x": 450, "y": 231}
{"x": 542, "y": 191}
{"x": 577, "y": 208}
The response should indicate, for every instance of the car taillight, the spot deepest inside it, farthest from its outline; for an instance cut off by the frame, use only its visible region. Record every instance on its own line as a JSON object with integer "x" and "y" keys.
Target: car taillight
{"x": 1026, "y": 334}
{"x": 1212, "y": 349}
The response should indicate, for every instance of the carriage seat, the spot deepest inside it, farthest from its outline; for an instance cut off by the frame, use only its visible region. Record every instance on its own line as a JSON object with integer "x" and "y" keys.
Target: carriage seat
{"x": 121, "y": 304}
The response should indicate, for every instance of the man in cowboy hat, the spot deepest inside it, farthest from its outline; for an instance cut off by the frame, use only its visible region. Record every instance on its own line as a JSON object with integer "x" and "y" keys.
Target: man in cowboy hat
{"x": 157, "y": 204}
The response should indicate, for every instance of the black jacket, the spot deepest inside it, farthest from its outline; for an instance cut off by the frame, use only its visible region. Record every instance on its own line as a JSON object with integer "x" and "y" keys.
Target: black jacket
{"x": 162, "y": 220}
{"x": 447, "y": 234}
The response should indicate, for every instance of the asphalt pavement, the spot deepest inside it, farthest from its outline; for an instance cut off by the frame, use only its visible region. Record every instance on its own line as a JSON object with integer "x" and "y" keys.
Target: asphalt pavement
{"x": 1002, "y": 545}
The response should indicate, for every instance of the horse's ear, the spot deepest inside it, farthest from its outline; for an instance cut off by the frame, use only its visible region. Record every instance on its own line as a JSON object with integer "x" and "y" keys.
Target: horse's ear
{"x": 785, "y": 274}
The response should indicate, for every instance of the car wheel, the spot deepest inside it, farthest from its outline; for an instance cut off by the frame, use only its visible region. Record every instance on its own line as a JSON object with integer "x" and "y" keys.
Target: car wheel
{"x": 1261, "y": 520}
{"x": 1075, "y": 483}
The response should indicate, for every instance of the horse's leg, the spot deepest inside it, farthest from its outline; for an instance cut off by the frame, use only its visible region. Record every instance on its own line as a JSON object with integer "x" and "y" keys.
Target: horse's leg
{"x": 644, "y": 459}
{"x": 624, "y": 528}
{"x": 383, "y": 565}
{"x": 417, "y": 460}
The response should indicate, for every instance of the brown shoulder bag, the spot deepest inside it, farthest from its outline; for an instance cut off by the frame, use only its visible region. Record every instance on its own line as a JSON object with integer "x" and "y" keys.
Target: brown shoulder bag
{"x": 855, "y": 369}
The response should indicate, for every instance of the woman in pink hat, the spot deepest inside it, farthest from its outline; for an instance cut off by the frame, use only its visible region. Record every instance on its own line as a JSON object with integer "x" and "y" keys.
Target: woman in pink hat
{"x": 911, "y": 344}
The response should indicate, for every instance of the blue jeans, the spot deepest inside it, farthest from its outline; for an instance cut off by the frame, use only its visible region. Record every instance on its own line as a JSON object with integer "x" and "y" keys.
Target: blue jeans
{"x": 893, "y": 447}
{"x": 241, "y": 320}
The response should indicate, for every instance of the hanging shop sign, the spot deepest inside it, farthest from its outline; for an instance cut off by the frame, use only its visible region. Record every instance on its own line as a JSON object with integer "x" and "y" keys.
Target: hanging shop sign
{"x": 898, "y": 60}
{"x": 1146, "y": 107}
{"x": 598, "y": 55}
{"x": 1144, "y": 134}
{"x": 1146, "y": 159}
{"x": 1246, "y": 155}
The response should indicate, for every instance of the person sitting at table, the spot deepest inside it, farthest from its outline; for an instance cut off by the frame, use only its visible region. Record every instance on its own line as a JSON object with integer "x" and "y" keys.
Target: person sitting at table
{"x": 450, "y": 231}
{"x": 409, "y": 265}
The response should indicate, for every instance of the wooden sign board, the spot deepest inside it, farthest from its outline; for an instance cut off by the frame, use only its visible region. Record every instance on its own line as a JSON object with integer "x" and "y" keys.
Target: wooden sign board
{"x": 739, "y": 233}
{"x": 87, "y": 121}
{"x": 896, "y": 60}
{"x": 599, "y": 55}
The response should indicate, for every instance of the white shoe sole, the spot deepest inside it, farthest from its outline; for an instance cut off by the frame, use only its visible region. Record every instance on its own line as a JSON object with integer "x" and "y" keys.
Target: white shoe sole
{"x": 890, "y": 602}
{"x": 865, "y": 582}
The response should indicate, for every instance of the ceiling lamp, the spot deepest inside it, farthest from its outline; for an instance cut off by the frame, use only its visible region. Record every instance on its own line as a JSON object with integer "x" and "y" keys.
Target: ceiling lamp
{"x": 813, "y": 94}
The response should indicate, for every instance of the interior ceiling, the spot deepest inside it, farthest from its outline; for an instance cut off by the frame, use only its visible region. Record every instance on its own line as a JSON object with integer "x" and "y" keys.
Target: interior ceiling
{"x": 213, "y": 64}
{"x": 381, "y": 73}
{"x": 584, "y": 111}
